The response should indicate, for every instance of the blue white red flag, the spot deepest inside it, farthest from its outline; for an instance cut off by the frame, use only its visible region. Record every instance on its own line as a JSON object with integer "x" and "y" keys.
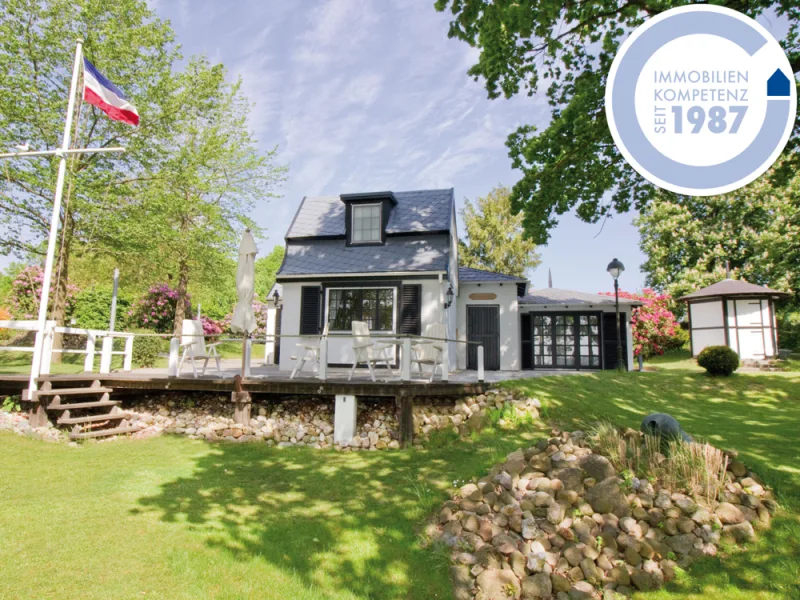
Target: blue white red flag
{"x": 103, "y": 94}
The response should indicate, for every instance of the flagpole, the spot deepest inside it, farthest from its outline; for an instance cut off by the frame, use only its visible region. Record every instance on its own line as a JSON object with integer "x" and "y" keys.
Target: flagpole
{"x": 51, "y": 243}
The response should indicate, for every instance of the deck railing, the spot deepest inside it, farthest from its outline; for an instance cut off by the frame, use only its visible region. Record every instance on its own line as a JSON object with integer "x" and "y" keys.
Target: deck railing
{"x": 107, "y": 352}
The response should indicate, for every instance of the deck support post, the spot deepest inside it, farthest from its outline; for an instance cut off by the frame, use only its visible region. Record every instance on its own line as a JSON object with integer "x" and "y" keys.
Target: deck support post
{"x": 446, "y": 362}
{"x": 481, "y": 374}
{"x": 88, "y": 363}
{"x": 405, "y": 362}
{"x": 127, "y": 362}
{"x": 322, "y": 372}
{"x": 344, "y": 419}
{"x": 406, "y": 420}
{"x": 242, "y": 402}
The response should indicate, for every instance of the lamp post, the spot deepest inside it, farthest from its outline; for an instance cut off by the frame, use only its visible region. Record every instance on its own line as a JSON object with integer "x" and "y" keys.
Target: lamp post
{"x": 615, "y": 269}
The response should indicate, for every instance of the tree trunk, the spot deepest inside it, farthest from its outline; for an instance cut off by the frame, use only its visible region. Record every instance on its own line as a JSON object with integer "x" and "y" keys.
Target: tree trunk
{"x": 61, "y": 281}
{"x": 180, "y": 307}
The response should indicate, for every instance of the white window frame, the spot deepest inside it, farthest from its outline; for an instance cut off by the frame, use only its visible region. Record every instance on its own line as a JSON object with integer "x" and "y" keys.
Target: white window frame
{"x": 353, "y": 223}
{"x": 393, "y": 331}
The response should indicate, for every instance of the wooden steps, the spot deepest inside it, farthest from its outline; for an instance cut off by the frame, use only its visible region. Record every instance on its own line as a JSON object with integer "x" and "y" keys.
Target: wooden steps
{"x": 85, "y": 391}
{"x": 122, "y": 429}
{"x": 115, "y": 415}
{"x": 88, "y": 418}
{"x": 76, "y": 405}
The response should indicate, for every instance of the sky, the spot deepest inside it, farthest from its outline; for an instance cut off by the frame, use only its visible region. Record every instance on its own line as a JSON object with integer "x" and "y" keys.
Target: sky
{"x": 362, "y": 95}
{"x": 371, "y": 95}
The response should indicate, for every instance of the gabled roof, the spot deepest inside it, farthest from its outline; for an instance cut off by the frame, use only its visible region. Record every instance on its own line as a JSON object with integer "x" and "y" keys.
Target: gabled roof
{"x": 470, "y": 275}
{"x": 568, "y": 297}
{"x": 734, "y": 287}
{"x": 421, "y": 211}
{"x": 398, "y": 255}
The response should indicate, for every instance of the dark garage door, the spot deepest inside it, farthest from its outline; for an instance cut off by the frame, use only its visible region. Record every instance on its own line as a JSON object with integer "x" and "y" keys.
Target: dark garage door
{"x": 483, "y": 325}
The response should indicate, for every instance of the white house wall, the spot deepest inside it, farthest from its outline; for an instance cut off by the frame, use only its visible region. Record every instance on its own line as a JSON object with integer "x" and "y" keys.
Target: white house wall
{"x": 340, "y": 350}
{"x": 707, "y": 325}
{"x": 506, "y": 299}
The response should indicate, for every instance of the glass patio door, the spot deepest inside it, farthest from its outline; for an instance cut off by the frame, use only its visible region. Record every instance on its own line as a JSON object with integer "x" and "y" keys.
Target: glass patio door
{"x": 566, "y": 341}
{"x": 543, "y": 341}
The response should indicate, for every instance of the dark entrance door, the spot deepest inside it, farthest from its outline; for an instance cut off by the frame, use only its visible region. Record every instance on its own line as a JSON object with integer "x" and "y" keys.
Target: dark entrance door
{"x": 483, "y": 325}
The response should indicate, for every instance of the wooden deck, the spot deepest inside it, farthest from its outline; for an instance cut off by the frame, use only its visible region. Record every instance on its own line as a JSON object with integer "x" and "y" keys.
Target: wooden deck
{"x": 277, "y": 382}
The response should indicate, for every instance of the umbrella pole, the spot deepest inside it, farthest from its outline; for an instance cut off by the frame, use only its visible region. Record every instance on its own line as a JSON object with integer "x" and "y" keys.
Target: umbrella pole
{"x": 241, "y": 399}
{"x": 244, "y": 352}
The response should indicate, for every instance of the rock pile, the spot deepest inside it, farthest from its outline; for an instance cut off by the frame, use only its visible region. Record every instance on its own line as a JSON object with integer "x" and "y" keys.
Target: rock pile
{"x": 557, "y": 521}
{"x": 18, "y": 423}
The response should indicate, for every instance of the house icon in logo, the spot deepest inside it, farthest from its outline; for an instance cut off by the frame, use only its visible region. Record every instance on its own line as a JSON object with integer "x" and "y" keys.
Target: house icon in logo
{"x": 778, "y": 85}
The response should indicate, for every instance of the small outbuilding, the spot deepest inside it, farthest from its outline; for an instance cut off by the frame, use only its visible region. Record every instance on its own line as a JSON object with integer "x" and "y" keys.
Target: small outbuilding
{"x": 737, "y": 314}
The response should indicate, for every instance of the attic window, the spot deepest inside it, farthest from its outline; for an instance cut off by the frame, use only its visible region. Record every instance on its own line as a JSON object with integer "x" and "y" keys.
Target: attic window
{"x": 366, "y": 223}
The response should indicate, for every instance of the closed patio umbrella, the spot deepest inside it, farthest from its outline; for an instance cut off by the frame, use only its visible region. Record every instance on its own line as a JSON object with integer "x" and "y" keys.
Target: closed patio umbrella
{"x": 244, "y": 320}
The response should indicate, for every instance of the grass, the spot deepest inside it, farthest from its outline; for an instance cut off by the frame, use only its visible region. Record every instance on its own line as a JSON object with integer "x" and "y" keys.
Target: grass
{"x": 175, "y": 518}
{"x": 758, "y": 414}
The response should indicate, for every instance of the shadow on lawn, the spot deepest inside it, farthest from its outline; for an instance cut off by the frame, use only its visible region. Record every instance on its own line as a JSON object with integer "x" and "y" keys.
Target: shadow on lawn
{"x": 339, "y": 521}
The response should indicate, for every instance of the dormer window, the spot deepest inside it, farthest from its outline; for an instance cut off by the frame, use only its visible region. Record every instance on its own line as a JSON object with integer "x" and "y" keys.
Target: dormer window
{"x": 367, "y": 223}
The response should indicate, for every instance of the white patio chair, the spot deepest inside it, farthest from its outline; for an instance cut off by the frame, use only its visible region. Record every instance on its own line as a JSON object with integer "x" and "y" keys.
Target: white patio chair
{"x": 367, "y": 351}
{"x": 428, "y": 351}
{"x": 310, "y": 353}
{"x": 195, "y": 348}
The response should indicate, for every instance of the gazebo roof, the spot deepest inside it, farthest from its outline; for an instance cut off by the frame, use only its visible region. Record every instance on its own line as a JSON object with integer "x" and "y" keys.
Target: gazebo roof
{"x": 733, "y": 287}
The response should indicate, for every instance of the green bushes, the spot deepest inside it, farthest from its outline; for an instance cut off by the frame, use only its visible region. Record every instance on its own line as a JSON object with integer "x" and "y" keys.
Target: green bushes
{"x": 93, "y": 309}
{"x": 146, "y": 349}
{"x": 718, "y": 360}
{"x": 789, "y": 329}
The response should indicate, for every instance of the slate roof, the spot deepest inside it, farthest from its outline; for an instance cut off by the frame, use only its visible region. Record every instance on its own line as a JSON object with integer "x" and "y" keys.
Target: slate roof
{"x": 418, "y": 211}
{"x": 733, "y": 287}
{"x": 330, "y": 257}
{"x": 470, "y": 275}
{"x": 568, "y": 297}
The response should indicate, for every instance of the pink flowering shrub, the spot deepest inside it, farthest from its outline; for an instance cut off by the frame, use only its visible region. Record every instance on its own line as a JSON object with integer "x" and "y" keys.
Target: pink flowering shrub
{"x": 653, "y": 326}
{"x": 260, "y": 311}
{"x": 156, "y": 309}
{"x": 26, "y": 292}
{"x": 211, "y": 328}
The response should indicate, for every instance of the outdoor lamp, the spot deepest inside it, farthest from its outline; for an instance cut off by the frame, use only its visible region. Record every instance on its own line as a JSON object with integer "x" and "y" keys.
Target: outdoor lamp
{"x": 449, "y": 297}
{"x": 276, "y": 297}
{"x": 615, "y": 269}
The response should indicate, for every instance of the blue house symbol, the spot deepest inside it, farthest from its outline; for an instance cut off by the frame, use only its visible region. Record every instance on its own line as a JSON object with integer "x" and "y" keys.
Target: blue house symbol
{"x": 778, "y": 84}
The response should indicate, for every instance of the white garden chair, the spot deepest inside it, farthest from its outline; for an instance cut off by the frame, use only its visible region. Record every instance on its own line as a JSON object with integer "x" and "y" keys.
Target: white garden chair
{"x": 366, "y": 351}
{"x": 311, "y": 353}
{"x": 428, "y": 351}
{"x": 195, "y": 348}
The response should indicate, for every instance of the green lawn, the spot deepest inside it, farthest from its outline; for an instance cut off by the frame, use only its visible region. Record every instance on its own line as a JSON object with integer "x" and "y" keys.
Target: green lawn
{"x": 756, "y": 413}
{"x": 176, "y": 518}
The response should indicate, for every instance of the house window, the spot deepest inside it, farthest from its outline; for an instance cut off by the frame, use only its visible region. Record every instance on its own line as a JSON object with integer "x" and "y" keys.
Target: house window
{"x": 373, "y": 306}
{"x": 366, "y": 223}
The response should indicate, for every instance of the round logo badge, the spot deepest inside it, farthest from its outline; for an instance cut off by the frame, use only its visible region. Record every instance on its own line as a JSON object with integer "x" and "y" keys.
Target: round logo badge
{"x": 701, "y": 100}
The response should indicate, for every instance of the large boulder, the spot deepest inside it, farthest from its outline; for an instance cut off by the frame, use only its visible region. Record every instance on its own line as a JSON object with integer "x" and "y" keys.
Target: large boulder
{"x": 499, "y": 583}
{"x": 597, "y": 467}
{"x": 607, "y": 497}
{"x": 729, "y": 514}
{"x": 537, "y": 586}
{"x": 572, "y": 478}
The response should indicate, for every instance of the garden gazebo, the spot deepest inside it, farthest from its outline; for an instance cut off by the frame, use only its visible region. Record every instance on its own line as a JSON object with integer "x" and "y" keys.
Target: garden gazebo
{"x": 737, "y": 314}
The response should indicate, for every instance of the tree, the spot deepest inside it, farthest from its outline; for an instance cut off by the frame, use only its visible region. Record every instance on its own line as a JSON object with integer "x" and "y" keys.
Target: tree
{"x": 573, "y": 162}
{"x": 37, "y": 45}
{"x": 690, "y": 241}
{"x": 266, "y": 269}
{"x": 653, "y": 325}
{"x": 495, "y": 238}
{"x": 203, "y": 187}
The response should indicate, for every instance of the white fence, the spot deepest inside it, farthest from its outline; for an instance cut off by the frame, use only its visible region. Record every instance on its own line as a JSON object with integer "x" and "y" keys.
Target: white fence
{"x": 93, "y": 337}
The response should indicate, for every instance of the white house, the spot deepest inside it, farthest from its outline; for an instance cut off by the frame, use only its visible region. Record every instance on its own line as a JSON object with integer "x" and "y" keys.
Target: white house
{"x": 391, "y": 259}
{"x": 734, "y": 313}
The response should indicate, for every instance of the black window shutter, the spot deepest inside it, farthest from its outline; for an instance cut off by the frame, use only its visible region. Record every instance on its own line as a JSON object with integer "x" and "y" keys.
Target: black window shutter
{"x": 521, "y": 289}
{"x": 411, "y": 310}
{"x": 310, "y": 310}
